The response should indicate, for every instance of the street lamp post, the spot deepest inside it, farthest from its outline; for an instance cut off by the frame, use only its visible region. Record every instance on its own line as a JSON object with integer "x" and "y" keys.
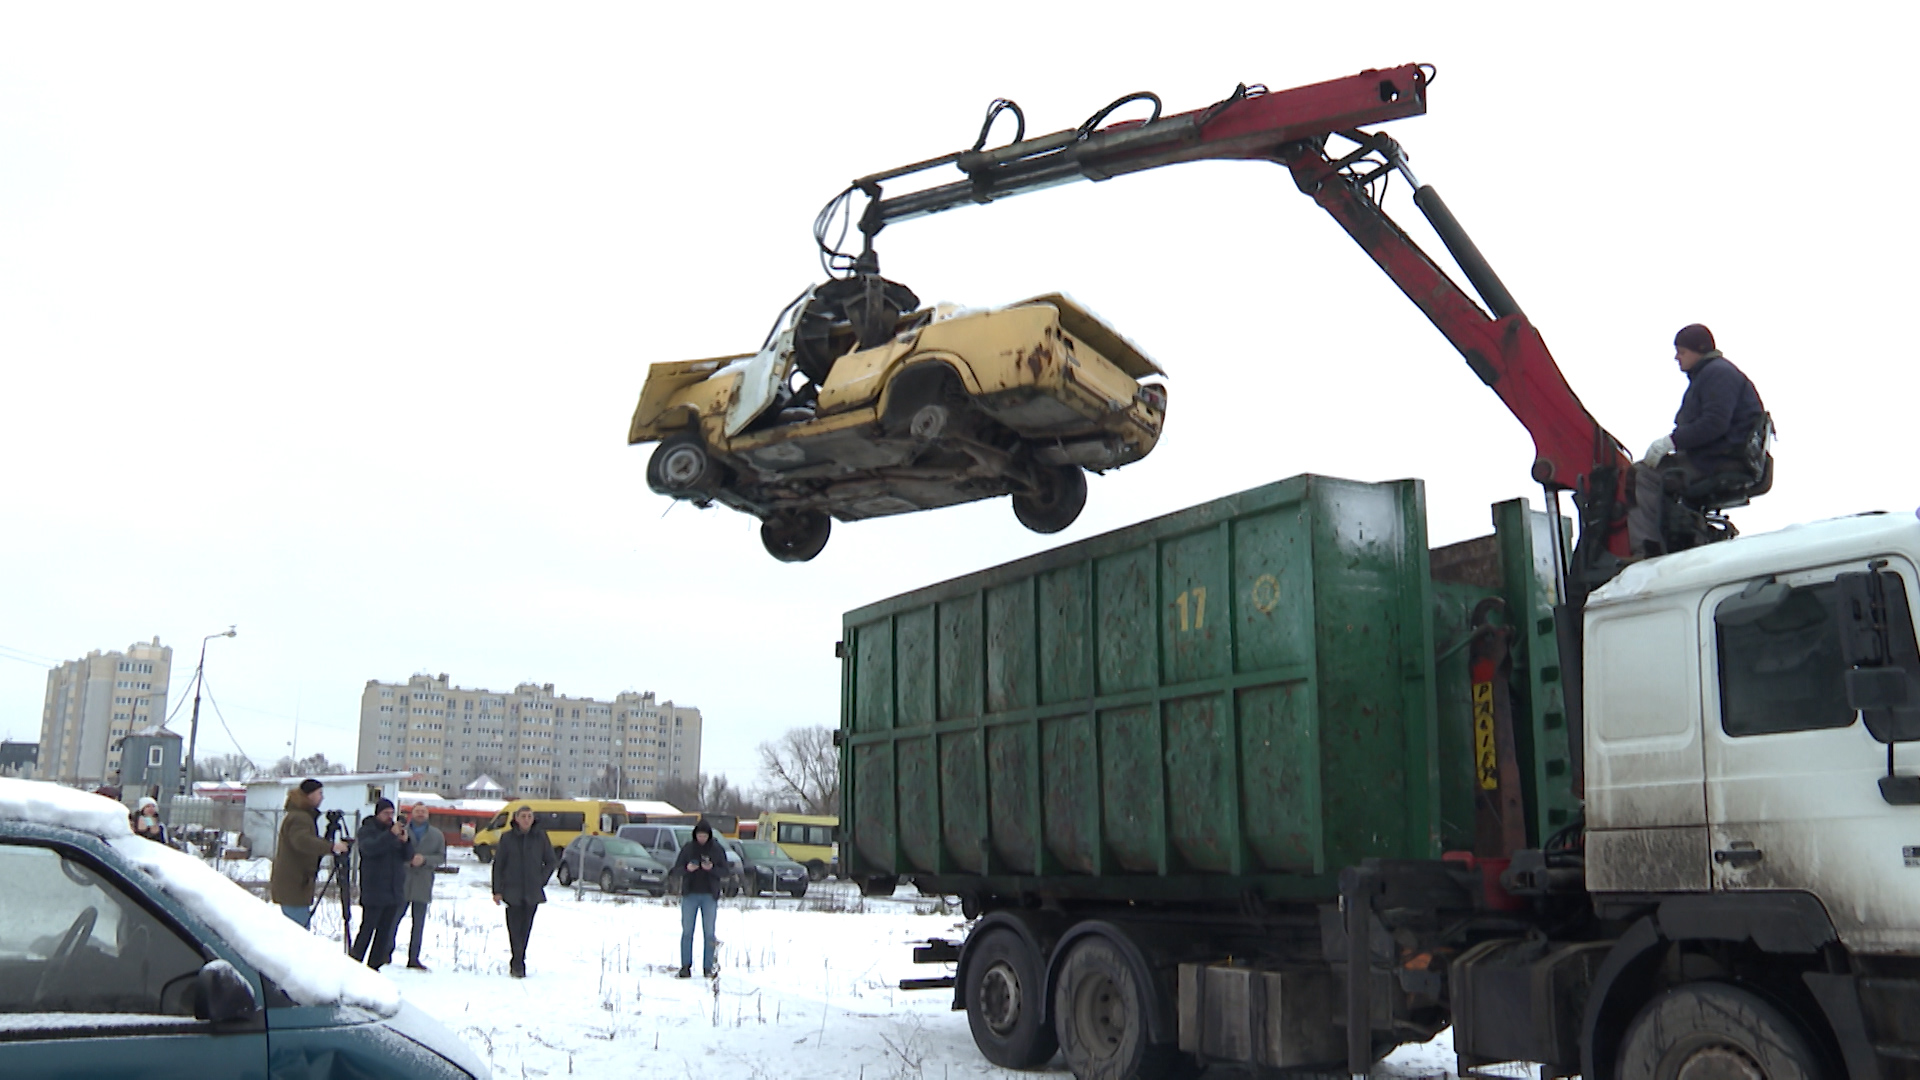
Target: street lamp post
{"x": 193, "y": 725}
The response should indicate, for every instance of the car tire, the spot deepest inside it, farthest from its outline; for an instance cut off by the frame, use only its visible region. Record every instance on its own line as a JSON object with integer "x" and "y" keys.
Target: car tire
{"x": 816, "y": 871}
{"x": 682, "y": 467}
{"x": 1060, "y": 495}
{"x": 879, "y": 885}
{"x": 1005, "y": 996}
{"x": 1691, "y": 1025}
{"x": 483, "y": 852}
{"x": 565, "y": 875}
{"x": 796, "y": 537}
{"x": 606, "y": 882}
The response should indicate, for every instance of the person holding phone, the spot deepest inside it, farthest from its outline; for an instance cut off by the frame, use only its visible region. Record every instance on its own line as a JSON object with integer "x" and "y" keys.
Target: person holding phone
{"x": 700, "y": 863}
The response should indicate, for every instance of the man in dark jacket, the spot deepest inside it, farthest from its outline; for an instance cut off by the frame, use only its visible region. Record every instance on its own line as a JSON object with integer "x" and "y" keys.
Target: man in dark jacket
{"x": 297, "y": 852}
{"x": 384, "y": 848}
{"x": 1710, "y": 433}
{"x": 522, "y": 862}
{"x": 700, "y": 863}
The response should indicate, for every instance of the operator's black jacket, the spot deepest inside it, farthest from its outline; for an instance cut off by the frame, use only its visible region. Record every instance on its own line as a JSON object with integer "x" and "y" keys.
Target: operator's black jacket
{"x": 383, "y": 864}
{"x": 1717, "y": 413}
{"x": 522, "y": 863}
{"x": 701, "y": 881}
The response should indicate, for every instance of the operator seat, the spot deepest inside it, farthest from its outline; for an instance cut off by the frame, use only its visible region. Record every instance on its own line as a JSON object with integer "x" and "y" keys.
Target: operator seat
{"x": 1696, "y": 512}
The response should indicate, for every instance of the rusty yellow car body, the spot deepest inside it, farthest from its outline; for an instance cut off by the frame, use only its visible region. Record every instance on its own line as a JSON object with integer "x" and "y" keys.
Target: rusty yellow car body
{"x": 959, "y": 405}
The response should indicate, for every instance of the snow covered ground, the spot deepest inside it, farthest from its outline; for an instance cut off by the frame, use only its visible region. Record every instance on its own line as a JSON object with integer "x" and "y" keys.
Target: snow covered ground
{"x": 807, "y": 988}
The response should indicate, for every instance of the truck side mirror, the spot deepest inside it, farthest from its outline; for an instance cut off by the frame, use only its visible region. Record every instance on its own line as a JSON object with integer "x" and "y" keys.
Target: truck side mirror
{"x": 1877, "y": 645}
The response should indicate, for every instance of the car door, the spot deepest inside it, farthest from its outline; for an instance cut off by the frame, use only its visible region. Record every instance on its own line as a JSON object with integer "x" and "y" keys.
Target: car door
{"x": 1793, "y": 797}
{"x": 94, "y": 983}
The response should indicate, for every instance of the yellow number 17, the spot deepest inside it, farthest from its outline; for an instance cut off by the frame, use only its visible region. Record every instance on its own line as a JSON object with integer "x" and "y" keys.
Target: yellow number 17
{"x": 1199, "y": 595}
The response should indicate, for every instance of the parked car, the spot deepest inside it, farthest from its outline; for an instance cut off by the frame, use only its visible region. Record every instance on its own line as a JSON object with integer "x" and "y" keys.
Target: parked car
{"x": 942, "y": 406}
{"x": 768, "y": 869}
{"x": 664, "y": 843}
{"x": 123, "y": 957}
{"x": 614, "y": 864}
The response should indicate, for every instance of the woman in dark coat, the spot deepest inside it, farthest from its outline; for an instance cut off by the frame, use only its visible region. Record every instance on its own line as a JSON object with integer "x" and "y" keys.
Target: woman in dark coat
{"x": 522, "y": 864}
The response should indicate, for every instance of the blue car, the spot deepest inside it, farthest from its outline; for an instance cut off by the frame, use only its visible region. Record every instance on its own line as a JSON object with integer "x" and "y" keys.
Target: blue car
{"x": 123, "y": 957}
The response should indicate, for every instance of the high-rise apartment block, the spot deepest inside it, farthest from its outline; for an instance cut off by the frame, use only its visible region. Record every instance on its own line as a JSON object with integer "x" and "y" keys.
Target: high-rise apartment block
{"x": 94, "y": 702}
{"x": 535, "y": 742}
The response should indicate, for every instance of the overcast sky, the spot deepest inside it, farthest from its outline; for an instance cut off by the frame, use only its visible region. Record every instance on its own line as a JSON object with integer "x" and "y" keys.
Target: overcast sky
{"x": 327, "y": 322}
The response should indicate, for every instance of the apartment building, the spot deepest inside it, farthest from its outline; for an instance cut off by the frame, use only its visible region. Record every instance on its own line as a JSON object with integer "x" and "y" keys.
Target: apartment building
{"x": 535, "y": 742}
{"x": 92, "y": 703}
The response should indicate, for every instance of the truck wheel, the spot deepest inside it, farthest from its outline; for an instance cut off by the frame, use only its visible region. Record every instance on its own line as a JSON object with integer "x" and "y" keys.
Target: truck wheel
{"x": 1005, "y": 994}
{"x": 483, "y": 852}
{"x": 1061, "y": 495}
{"x": 1100, "y": 1017}
{"x": 1711, "y": 1031}
{"x": 881, "y": 885}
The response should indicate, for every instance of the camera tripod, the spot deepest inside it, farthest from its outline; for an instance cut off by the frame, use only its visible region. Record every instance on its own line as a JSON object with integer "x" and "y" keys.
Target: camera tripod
{"x": 342, "y": 872}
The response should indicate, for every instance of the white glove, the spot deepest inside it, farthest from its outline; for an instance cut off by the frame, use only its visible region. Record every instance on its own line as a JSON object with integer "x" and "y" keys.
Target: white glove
{"x": 1661, "y": 447}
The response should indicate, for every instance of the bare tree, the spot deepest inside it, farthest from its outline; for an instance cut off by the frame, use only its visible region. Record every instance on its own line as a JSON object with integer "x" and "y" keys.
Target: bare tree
{"x": 802, "y": 768}
{"x": 225, "y": 767}
{"x": 606, "y": 785}
{"x": 311, "y": 765}
{"x": 682, "y": 793}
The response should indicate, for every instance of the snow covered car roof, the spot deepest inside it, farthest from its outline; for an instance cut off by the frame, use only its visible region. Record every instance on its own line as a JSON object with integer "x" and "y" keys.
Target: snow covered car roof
{"x": 311, "y": 970}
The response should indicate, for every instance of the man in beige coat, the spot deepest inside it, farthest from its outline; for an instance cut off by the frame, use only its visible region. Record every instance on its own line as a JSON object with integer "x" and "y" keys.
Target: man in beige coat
{"x": 297, "y": 854}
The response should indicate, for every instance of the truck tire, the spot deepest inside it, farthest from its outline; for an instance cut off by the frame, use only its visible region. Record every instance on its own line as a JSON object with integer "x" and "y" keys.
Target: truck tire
{"x": 1713, "y": 1031}
{"x": 1100, "y": 1015}
{"x": 1006, "y": 995}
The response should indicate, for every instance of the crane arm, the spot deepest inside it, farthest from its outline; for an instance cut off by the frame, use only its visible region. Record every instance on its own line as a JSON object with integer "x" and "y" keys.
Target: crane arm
{"x": 1293, "y": 127}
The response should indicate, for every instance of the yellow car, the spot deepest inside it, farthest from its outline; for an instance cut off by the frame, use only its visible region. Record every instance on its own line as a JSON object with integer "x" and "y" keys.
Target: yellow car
{"x": 954, "y": 405}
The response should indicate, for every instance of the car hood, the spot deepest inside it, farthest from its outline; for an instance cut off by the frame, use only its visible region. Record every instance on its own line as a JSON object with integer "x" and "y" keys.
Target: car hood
{"x": 435, "y": 1036}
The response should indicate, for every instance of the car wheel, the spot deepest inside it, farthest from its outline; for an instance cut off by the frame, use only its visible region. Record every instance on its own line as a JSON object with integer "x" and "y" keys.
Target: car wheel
{"x": 483, "y": 852}
{"x": 796, "y": 537}
{"x": 682, "y": 467}
{"x": 606, "y": 882}
{"x": 816, "y": 871}
{"x": 1060, "y": 493}
{"x": 1005, "y": 995}
{"x": 1711, "y": 1029}
{"x": 565, "y": 875}
{"x": 879, "y": 885}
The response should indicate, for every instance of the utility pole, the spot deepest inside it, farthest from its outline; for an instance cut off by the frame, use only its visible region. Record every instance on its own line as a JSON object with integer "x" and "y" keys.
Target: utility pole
{"x": 193, "y": 724}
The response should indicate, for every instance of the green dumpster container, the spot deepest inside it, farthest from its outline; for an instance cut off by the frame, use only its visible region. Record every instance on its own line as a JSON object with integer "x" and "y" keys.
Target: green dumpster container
{"x": 1235, "y": 698}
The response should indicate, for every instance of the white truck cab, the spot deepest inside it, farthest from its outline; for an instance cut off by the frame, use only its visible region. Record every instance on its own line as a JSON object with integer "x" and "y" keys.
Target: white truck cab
{"x": 1724, "y": 753}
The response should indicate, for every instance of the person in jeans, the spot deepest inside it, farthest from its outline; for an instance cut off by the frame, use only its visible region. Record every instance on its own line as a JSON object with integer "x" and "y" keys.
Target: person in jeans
{"x": 297, "y": 854}
{"x": 522, "y": 863}
{"x": 700, "y": 863}
{"x": 429, "y": 851}
{"x": 385, "y": 848}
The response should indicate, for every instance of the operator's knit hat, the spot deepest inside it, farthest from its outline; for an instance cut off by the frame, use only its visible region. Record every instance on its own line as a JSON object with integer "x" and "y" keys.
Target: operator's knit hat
{"x": 383, "y": 804}
{"x": 1695, "y": 338}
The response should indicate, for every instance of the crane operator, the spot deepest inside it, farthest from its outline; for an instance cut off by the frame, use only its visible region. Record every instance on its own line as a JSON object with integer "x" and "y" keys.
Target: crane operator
{"x": 1710, "y": 432}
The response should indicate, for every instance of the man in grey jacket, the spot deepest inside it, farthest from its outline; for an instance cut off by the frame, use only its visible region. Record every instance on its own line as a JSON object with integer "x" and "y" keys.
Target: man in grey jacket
{"x": 429, "y": 852}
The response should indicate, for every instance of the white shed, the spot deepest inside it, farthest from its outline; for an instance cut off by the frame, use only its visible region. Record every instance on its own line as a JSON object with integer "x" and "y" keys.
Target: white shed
{"x": 352, "y": 793}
